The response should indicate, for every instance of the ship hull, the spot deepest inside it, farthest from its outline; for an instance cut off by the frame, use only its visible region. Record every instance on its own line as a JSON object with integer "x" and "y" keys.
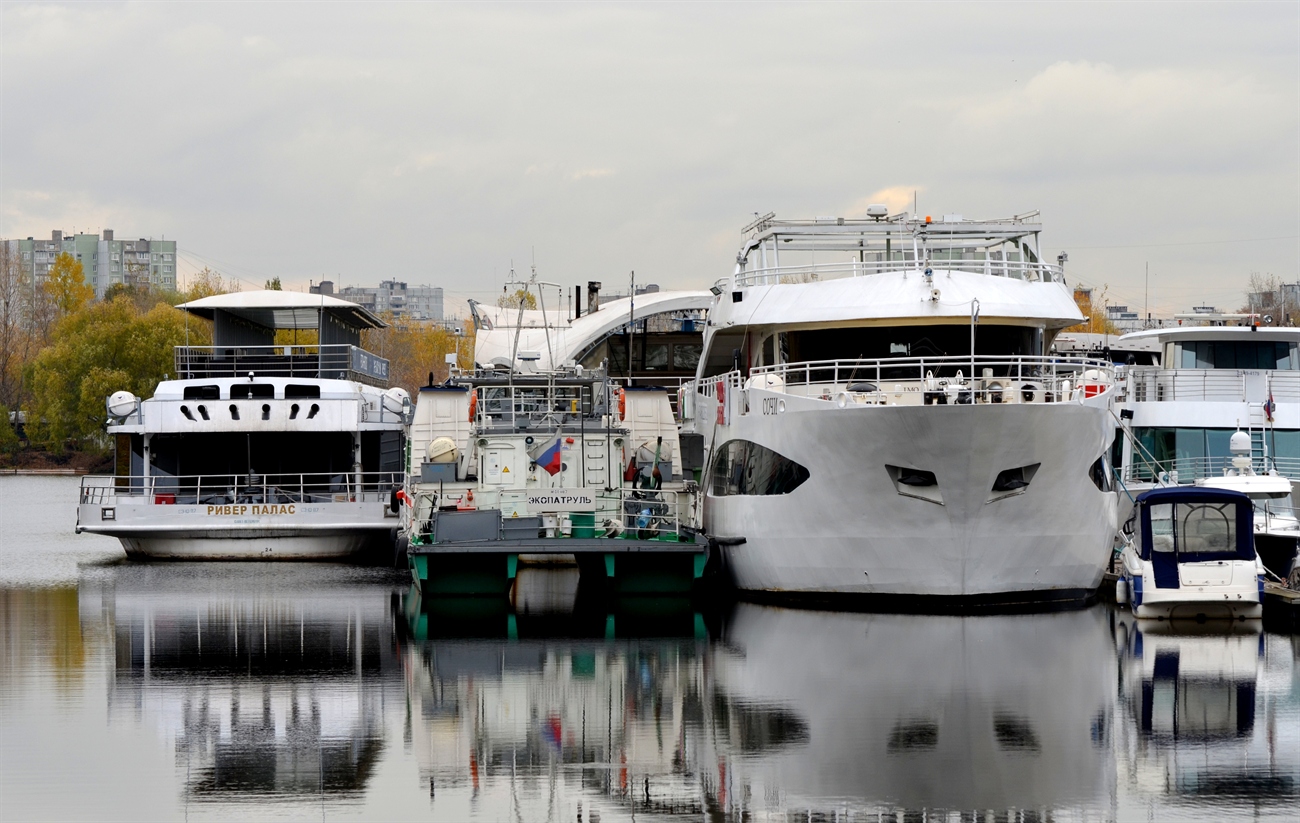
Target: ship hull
{"x": 852, "y": 529}
{"x": 330, "y": 531}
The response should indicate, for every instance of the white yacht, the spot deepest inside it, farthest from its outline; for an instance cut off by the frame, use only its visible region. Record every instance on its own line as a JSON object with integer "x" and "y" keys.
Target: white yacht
{"x": 257, "y": 450}
{"x": 1221, "y": 410}
{"x": 882, "y": 415}
{"x": 1194, "y": 556}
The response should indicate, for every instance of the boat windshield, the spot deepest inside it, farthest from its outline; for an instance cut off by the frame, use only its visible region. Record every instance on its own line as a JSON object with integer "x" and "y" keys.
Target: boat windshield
{"x": 1195, "y": 532}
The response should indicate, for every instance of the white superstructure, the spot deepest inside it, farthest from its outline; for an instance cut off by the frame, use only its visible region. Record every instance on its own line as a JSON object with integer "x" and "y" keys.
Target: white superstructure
{"x": 1221, "y": 410}
{"x": 882, "y": 417}
{"x": 258, "y": 450}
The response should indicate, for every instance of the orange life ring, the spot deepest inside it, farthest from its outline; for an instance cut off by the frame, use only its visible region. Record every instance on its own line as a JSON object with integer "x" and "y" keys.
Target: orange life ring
{"x": 473, "y": 406}
{"x": 622, "y": 404}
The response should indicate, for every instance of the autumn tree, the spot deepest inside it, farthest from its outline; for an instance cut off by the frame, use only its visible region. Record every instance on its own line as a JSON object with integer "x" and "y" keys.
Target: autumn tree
{"x": 415, "y": 349}
{"x": 512, "y": 301}
{"x": 105, "y": 347}
{"x": 15, "y": 339}
{"x": 66, "y": 285}
{"x": 1094, "y": 312}
{"x": 206, "y": 283}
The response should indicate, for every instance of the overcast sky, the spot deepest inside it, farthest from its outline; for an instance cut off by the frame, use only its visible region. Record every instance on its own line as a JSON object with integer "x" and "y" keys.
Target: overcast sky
{"x": 437, "y": 143}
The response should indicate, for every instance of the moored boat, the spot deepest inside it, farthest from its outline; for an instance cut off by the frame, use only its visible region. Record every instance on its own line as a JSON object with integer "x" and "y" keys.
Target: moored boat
{"x": 1194, "y": 556}
{"x": 883, "y": 416}
{"x": 257, "y": 450}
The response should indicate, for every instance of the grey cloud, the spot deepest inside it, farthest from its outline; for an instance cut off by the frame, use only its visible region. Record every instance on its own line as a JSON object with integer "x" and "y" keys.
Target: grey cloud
{"x": 437, "y": 142}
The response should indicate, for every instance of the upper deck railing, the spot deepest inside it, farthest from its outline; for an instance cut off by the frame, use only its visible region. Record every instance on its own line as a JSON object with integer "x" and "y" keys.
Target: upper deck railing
{"x": 336, "y": 362}
{"x": 1015, "y": 269}
{"x": 222, "y": 489}
{"x": 919, "y": 381}
{"x": 1146, "y": 384}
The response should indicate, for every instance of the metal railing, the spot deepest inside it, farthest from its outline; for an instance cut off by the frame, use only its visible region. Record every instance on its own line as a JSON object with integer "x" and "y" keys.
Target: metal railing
{"x": 1016, "y": 269}
{"x": 1144, "y": 384}
{"x": 625, "y": 513}
{"x": 532, "y": 406}
{"x": 1187, "y": 469}
{"x": 942, "y": 379}
{"x": 336, "y": 362}
{"x": 224, "y": 489}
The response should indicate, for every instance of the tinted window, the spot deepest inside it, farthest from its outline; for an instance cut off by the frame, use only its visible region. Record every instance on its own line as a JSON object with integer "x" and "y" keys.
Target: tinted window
{"x": 292, "y": 391}
{"x": 254, "y": 391}
{"x": 1230, "y": 354}
{"x": 202, "y": 392}
{"x": 742, "y": 467}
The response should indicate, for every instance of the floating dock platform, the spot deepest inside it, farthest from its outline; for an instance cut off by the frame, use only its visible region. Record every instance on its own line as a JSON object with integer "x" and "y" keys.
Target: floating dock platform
{"x": 477, "y": 553}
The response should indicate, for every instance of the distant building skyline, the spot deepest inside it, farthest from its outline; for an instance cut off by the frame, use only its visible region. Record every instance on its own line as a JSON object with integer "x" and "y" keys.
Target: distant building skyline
{"x": 396, "y": 296}
{"x": 105, "y": 260}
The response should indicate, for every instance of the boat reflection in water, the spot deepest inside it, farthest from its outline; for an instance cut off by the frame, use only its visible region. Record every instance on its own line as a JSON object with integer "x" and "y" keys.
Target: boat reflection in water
{"x": 1203, "y": 704}
{"x": 327, "y": 689}
{"x": 762, "y": 710}
{"x": 271, "y": 686}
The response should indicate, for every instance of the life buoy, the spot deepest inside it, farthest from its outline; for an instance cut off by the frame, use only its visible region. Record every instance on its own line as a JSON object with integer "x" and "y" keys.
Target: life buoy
{"x": 473, "y": 406}
{"x": 622, "y": 404}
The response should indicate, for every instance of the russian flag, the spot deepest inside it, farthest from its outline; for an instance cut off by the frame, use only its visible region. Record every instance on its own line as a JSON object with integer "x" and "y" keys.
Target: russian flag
{"x": 552, "y": 458}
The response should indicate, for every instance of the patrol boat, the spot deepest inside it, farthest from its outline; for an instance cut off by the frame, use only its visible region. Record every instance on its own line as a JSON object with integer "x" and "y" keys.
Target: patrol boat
{"x": 565, "y": 466}
{"x": 257, "y": 450}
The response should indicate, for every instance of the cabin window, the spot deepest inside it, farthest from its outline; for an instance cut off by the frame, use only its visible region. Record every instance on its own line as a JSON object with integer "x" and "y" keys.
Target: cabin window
{"x": 656, "y": 356}
{"x": 294, "y": 391}
{"x": 742, "y": 467}
{"x": 202, "y": 392}
{"x": 252, "y": 391}
{"x": 1233, "y": 354}
{"x": 686, "y": 356}
{"x": 872, "y": 343}
{"x": 1197, "y": 453}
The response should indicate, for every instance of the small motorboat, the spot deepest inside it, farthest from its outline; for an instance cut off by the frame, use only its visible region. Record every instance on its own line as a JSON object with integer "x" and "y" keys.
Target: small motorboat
{"x": 1194, "y": 556}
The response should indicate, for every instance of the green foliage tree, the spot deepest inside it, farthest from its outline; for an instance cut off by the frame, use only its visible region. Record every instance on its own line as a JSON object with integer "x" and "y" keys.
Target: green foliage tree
{"x": 105, "y": 347}
{"x": 9, "y": 441}
{"x": 274, "y": 284}
{"x": 66, "y": 285}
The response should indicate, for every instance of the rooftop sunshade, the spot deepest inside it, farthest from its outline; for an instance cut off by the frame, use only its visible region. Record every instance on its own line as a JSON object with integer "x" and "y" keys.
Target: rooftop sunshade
{"x": 283, "y": 309}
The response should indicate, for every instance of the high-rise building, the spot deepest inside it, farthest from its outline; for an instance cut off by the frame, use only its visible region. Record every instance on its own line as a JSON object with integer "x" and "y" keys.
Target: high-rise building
{"x": 104, "y": 260}
{"x": 416, "y": 302}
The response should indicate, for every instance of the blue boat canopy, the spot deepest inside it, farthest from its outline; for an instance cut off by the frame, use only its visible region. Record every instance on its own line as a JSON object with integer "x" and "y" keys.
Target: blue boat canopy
{"x": 1196, "y": 524}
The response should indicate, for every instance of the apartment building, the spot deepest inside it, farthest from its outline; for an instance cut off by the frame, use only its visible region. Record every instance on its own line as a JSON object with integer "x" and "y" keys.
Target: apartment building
{"x": 104, "y": 259}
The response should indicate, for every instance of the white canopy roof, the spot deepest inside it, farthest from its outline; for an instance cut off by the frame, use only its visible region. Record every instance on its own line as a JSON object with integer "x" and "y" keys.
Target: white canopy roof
{"x": 571, "y": 338}
{"x": 891, "y": 299}
{"x": 283, "y": 309}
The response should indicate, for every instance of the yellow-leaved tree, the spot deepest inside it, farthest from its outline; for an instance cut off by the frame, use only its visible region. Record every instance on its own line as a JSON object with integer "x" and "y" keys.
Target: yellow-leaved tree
{"x": 66, "y": 285}
{"x": 416, "y": 349}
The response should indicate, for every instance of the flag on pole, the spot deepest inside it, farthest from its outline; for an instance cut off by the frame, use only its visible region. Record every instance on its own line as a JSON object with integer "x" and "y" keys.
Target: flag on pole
{"x": 549, "y": 455}
{"x": 1270, "y": 406}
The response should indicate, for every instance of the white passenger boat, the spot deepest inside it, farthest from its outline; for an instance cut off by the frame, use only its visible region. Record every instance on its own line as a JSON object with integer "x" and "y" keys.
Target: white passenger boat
{"x": 1193, "y": 557}
{"x": 1221, "y": 410}
{"x": 257, "y": 450}
{"x": 883, "y": 417}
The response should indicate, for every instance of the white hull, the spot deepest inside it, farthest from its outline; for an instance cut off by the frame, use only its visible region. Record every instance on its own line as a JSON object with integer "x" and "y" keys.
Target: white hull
{"x": 848, "y": 530}
{"x": 321, "y": 531}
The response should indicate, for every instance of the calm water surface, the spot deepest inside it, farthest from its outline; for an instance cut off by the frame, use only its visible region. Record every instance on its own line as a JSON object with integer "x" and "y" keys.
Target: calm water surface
{"x": 283, "y": 692}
